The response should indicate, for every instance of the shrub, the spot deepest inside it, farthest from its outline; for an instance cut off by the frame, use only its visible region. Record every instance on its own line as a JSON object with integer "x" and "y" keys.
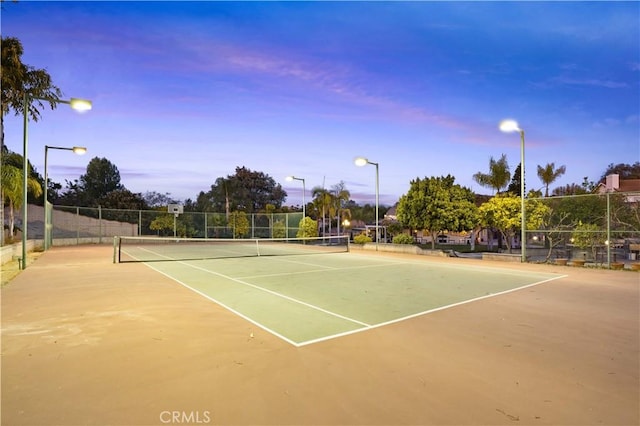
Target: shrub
{"x": 361, "y": 239}
{"x": 403, "y": 239}
{"x": 279, "y": 229}
{"x": 307, "y": 228}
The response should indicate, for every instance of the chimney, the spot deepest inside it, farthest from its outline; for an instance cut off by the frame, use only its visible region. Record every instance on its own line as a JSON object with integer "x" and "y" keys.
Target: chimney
{"x": 613, "y": 183}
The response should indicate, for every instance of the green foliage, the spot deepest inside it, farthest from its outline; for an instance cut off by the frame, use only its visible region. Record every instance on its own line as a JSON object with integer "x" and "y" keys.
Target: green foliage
{"x": 498, "y": 176}
{"x": 514, "y": 186}
{"x": 163, "y": 223}
{"x": 437, "y": 205}
{"x": 626, "y": 171}
{"x": 403, "y": 239}
{"x": 362, "y": 239}
{"x": 279, "y": 229}
{"x": 549, "y": 174}
{"x": 102, "y": 177}
{"x": 18, "y": 78}
{"x": 365, "y": 213}
{"x": 240, "y": 224}
{"x": 504, "y": 213}
{"x": 122, "y": 199}
{"x": 394, "y": 228}
{"x": 587, "y": 235}
{"x": 11, "y": 185}
{"x": 246, "y": 190}
{"x": 307, "y": 228}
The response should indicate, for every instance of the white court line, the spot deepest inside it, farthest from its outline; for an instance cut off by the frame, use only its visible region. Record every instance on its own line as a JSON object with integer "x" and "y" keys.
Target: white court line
{"x": 432, "y": 261}
{"x": 229, "y": 308}
{"x": 347, "y": 268}
{"x": 355, "y": 321}
{"x": 366, "y": 327}
{"x": 441, "y": 308}
{"x": 275, "y": 293}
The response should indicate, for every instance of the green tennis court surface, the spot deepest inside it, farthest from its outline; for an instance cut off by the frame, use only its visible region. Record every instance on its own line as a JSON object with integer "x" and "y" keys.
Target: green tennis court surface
{"x": 313, "y": 297}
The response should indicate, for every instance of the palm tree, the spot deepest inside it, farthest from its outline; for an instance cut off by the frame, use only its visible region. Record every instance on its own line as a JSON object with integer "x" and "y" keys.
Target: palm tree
{"x": 340, "y": 196}
{"x": 550, "y": 174}
{"x": 321, "y": 201}
{"x": 17, "y": 79}
{"x": 11, "y": 182}
{"x": 498, "y": 176}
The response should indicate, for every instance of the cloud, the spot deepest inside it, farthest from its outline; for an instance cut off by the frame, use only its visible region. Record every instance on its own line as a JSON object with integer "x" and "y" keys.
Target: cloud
{"x": 608, "y": 84}
{"x": 607, "y": 122}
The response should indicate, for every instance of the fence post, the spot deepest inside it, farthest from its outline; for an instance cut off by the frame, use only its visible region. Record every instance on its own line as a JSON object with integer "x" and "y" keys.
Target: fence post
{"x": 99, "y": 224}
{"x": 77, "y": 225}
{"x": 608, "y": 231}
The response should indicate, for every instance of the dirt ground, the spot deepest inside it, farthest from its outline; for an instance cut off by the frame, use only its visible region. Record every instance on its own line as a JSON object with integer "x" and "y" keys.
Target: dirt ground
{"x": 89, "y": 342}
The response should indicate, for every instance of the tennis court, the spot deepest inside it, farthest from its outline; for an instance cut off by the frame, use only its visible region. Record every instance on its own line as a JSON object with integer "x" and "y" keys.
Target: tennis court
{"x": 443, "y": 341}
{"x": 306, "y": 291}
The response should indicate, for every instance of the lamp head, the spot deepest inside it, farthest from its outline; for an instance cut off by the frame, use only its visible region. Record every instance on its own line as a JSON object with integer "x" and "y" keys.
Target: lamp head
{"x": 80, "y": 150}
{"x": 80, "y": 105}
{"x": 509, "y": 126}
{"x": 360, "y": 161}
{"x": 289, "y": 178}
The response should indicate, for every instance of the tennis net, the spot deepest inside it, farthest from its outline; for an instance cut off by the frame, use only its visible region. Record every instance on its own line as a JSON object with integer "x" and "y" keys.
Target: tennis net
{"x": 157, "y": 249}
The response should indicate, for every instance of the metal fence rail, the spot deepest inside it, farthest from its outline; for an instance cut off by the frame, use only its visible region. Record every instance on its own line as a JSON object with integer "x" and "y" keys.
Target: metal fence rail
{"x": 79, "y": 223}
{"x": 598, "y": 228}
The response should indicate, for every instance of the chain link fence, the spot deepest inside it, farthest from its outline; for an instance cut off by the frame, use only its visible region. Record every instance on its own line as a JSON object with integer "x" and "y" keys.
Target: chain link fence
{"x": 75, "y": 225}
{"x": 597, "y": 228}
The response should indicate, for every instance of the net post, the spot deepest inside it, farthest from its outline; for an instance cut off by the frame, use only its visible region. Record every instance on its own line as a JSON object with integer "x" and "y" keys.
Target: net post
{"x": 257, "y": 247}
{"x": 115, "y": 248}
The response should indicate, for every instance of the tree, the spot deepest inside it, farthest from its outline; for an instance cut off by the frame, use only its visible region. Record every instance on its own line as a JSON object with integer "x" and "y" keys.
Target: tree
{"x": 246, "y": 190}
{"x": 626, "y": 171}
{"x": 588, "y": 235}
{"x": 239, "y": 223}
{"x": 164, "y": 224}
{"x": 569, "y": 189}
{"x": 11, "y": 181}
{"x": 322, "y": 200}
{"x": 549, "y": 174}
{"x": 101, "y": 178}
{"x": 93, "y": 187}
{"x": 436, "y": 205}
{"x": 503, "y": 212}
{"x": 340, "y": 196}
{"x": 514, "y": 186}
{"x": 156, "y": 199}
{"x": 498, "y": 176}
{"x": 16, "y": 80}
{"x": 122, "y": 199}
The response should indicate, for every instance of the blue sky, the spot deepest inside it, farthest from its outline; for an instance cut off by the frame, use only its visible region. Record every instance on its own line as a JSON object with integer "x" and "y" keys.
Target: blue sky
{"x": 185, "y": 92}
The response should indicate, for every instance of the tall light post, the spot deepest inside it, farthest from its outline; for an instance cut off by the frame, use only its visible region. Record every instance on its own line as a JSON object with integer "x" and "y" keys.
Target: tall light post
{"x": 360, "y": 162}
{"x": 80, "y": 150}
{"x": 509, "y": 126}
{"x": 78, "y": 105}
{"x": 304, "y": 203}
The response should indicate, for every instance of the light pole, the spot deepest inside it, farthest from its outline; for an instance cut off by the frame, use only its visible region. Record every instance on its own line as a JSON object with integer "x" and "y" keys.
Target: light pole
{"x": 80, "y": 150}
{"x": 509, "y": 126}
{"x": 77, "y": 104}
{"x": 304, "y": 203}
{"x": 360, "y": 162}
